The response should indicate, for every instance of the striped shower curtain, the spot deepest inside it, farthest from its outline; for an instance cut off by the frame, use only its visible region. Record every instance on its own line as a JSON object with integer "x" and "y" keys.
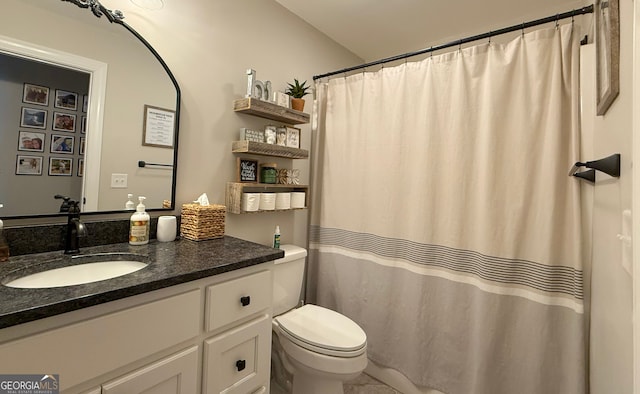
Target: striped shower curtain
{"x": 443, "y": 219}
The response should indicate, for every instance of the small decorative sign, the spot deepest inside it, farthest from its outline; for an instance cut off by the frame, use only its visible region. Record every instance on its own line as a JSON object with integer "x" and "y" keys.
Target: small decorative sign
{"x": 270, "y": 134}
{"x": 159, "y": 126}
{"x": 293, "y": 137}
{"x": 282, "y": 99}
{"x": 247, "y": 170}
{"x": 281, "y": 136}
{"x": 251, "y": 135}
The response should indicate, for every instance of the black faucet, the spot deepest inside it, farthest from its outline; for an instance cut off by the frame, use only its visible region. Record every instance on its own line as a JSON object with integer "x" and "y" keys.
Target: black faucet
{"x": 75, "y": 228}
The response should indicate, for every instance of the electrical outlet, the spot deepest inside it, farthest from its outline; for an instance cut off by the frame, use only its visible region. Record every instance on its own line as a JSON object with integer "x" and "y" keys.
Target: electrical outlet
{"x": 118, "y": 181}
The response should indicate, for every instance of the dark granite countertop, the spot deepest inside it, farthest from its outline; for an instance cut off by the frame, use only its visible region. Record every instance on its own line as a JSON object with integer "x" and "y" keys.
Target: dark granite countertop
{"x": 170, "y": 263}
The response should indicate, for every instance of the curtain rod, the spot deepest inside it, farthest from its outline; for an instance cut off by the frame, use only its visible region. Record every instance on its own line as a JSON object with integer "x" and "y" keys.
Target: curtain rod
{"x": 569, "y": 14}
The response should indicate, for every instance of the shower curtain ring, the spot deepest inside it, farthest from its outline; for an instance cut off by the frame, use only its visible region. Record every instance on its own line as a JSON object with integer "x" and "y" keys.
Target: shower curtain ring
{"x": 460, "y": 46}
{"x": 522, "y": 29}
{"x": 489, "y": 37}
{"x": 557, "y": 19}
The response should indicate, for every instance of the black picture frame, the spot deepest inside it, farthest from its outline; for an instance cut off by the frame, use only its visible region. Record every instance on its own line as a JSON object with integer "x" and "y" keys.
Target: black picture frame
{"x": 64, "y": 122}
{"x": 34, "y": 118}
{"x": 60, "y": 166}
{"x": 29, "y": 165}
{"x": 62, "y": 144}
{"x": 247, "y": 170}
{"x": 66, "y": 100}
{"x": 35, "y": 94}
{"x": 31, "y": 141}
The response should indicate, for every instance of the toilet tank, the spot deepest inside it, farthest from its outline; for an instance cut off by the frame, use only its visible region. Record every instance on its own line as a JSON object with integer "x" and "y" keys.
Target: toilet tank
{"x": 288, "y": 275}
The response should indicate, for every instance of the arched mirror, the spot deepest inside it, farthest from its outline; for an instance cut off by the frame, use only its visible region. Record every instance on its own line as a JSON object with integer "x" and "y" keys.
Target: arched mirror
{"x": 88, "y": 110}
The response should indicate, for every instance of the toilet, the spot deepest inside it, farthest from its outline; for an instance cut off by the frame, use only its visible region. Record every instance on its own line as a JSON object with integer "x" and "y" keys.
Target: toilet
{"x": 318, "y": 347}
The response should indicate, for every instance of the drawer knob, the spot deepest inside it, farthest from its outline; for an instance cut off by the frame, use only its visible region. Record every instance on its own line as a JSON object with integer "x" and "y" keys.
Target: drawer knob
{"x": 246, "y": 300}
{"x": 241, "y": 364}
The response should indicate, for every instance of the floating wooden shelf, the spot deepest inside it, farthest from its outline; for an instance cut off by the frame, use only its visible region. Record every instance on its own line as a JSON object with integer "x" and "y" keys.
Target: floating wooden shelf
{"x": 260, "y": 148}
{"x": 269, "y": 110}
{"x": 233, "y": 199}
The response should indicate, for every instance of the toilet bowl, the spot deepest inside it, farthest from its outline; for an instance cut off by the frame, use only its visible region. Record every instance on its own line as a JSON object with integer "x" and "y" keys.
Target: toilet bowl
{"x": 319, "y": 348}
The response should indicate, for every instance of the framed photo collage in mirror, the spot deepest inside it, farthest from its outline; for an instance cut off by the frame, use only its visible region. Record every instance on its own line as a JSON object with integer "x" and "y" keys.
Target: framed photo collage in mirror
{"x": 51, "y": 133}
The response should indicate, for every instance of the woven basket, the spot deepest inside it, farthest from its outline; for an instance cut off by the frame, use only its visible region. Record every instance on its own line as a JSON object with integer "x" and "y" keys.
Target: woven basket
{"x": 199, "y": 222}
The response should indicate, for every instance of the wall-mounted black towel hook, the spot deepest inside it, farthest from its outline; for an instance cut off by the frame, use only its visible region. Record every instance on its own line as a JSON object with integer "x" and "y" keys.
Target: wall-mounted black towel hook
{"x": 142, "y": 164}
{"x": 610, "y": 165}
{"x": 589, "y": 175}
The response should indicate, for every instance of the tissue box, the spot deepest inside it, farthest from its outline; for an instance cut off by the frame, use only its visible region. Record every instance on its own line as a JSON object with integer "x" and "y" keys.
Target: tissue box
{"x": 201, "y": 222}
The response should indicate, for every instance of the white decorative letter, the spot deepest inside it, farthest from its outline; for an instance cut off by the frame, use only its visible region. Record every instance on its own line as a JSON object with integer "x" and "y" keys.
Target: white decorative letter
{"x": 251, "y": 77}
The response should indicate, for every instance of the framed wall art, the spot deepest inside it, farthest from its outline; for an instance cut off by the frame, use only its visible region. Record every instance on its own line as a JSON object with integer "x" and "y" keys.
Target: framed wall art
{"x": 80, "y": 167}
{"x": 607, "y": 26}
{"x": 158, "y": 127}
{"x": 29, "y": 165}
{"x": 62, "y": 144}
{"x": 64, "y": 122}
{"x": 65, "y": 99}
{"x": 31, "y": 141}
{"x": 35, "y": 94}
{"x": 34, "y": 118}
{"x": 60, "y": 166}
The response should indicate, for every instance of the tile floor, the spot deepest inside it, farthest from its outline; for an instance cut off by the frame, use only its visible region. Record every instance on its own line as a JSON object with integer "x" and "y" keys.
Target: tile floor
{"x": 363, "y": 384}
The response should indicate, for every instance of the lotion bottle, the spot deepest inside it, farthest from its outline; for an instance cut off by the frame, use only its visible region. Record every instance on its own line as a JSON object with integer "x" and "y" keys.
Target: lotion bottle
{"x": 130, "y": 205}
{"x": 276, "y": 238}
{"x": 139, "y": 226}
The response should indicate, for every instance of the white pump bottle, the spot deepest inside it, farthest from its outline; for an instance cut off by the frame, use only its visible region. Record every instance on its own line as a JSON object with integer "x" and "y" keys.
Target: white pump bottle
{"x": 139, "y": 225}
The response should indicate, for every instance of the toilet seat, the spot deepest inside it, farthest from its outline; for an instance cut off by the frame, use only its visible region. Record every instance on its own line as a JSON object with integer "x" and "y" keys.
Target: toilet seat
{"x": 323, "y": 331}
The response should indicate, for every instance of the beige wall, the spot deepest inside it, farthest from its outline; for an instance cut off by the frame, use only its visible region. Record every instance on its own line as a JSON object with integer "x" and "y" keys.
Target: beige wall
{"x": 209, "y": 45}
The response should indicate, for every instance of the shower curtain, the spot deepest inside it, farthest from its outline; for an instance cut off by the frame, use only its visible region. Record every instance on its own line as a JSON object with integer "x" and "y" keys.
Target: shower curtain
{"x": 443, "y": 221}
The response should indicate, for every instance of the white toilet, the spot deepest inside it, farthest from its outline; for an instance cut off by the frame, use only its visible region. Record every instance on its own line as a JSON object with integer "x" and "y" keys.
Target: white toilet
{"x": 319, "y": 347}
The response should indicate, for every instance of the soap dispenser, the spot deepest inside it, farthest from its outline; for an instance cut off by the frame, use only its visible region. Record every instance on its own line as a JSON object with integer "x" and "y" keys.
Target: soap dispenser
{"x": 139, "y": 226}
{"x": 129, "y": 205}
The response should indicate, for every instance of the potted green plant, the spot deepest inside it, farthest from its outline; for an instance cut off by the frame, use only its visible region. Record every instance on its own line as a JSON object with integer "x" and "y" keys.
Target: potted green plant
{"x": 297, "y": 91}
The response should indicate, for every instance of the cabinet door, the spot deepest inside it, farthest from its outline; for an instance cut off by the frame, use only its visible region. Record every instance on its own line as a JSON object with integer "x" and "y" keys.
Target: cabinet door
{"x": 176, "y": 374}
{"x": 238, "y": 361}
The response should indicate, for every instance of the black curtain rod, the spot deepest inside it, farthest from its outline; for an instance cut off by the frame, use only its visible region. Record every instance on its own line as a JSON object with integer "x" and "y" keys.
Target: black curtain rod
{"x": 570, "y": 14}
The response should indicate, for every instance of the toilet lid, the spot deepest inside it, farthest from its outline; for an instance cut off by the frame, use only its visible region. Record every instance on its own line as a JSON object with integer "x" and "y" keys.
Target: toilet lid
{"x": 323, "y": 328}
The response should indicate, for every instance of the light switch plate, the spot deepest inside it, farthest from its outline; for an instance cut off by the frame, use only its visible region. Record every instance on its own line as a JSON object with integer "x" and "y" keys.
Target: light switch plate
{"x": 118, "y": 181}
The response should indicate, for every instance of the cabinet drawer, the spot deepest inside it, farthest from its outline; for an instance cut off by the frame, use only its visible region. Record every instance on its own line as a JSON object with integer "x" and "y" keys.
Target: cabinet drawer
{"x": 236, "y": 299}
{"x": 176, "y": 374}
{"x": 239, "y": 360}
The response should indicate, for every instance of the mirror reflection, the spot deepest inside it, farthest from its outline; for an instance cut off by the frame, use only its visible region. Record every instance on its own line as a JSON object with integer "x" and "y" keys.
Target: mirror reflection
{"x": 82, "y": 101}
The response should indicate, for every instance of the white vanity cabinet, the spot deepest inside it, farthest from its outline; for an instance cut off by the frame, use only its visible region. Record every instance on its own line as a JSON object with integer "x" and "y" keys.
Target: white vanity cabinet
{"x": 209, "y": 335}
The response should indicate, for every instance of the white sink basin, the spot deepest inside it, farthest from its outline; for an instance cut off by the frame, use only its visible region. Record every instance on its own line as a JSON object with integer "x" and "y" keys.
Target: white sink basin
{"x": 77, "y": 274}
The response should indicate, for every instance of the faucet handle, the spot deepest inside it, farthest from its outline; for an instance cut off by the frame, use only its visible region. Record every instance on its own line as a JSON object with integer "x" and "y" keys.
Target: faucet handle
{"x": 68, "y": 205}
